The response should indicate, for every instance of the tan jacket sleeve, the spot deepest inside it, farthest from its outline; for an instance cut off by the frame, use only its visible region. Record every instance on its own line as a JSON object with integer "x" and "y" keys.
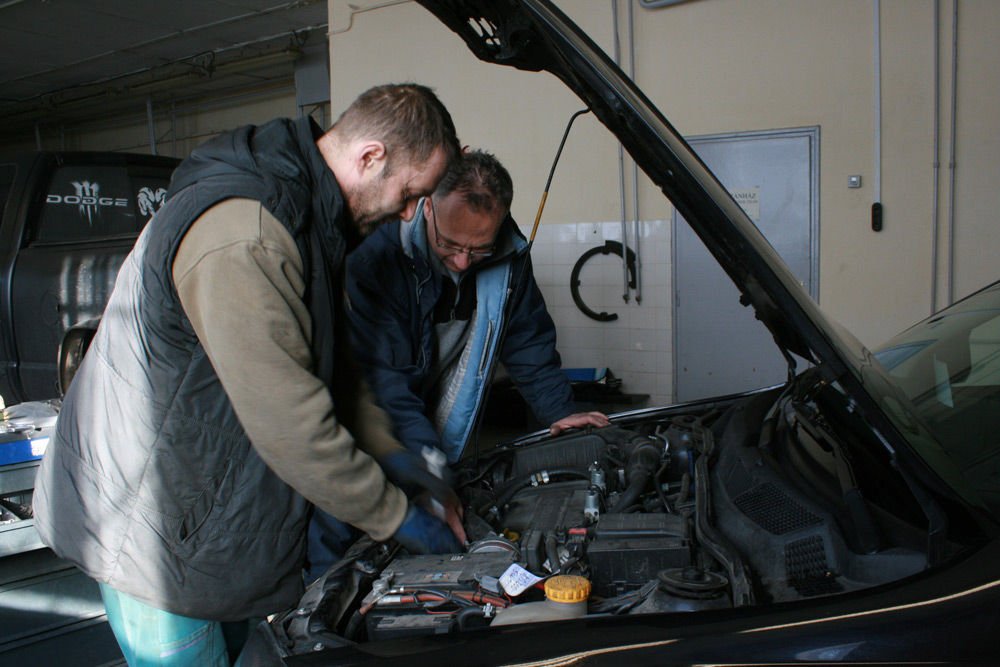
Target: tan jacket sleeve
{"x": 239, "y": 276}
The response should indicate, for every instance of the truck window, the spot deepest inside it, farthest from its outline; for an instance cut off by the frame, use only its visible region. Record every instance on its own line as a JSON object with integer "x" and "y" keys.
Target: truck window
{"x": 88, "y": 203}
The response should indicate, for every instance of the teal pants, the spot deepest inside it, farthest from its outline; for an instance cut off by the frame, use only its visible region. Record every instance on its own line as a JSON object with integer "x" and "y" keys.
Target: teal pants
{"x": 151, "y": 637}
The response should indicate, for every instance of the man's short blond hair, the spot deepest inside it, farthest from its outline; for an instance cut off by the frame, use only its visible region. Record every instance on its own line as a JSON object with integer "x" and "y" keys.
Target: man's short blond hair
{"x": 408, "y": 118}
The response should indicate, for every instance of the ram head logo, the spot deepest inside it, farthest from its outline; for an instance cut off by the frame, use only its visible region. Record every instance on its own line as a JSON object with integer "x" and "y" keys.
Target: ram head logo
{"x": 150, "y": 200}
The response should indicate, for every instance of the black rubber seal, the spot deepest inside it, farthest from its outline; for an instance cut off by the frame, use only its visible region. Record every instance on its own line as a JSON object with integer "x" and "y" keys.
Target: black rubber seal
{"x": 574, "y": 279}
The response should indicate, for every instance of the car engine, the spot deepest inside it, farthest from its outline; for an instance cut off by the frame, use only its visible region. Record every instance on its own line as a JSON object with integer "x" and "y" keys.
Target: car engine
{"x": 730, "y": 505}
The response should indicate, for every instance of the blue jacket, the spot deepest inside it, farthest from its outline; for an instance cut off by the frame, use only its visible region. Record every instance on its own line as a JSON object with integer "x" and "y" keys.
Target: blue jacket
{"x": 392, "y": 291}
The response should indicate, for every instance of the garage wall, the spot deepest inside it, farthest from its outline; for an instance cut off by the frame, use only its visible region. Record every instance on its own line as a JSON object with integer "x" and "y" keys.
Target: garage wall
{"x": 179, "y": 129}
{"x": 724, "y": 66}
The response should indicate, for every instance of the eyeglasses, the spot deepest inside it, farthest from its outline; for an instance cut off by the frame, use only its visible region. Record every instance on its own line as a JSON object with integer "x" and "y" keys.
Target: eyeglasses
{"x": 453, "y": 248}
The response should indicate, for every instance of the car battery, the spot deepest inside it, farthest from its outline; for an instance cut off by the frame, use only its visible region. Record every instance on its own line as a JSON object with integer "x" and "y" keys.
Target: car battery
{"x": 397, "y": 613}
{"x": 628, "y": 550}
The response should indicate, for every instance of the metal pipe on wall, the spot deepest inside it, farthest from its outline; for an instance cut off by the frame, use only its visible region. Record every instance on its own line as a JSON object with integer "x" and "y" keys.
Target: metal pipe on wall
{"x": 936, "y": 164}
{"x": 636, "y": 233}
{"x": 951, "y": 153}
{"x": 621, "y": 163}
{"x": 151, "y": 125}
{"x": 877, "y": 94}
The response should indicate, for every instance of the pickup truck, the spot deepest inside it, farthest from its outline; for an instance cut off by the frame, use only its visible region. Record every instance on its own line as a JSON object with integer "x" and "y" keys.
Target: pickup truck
{"x": 67, "y": 220}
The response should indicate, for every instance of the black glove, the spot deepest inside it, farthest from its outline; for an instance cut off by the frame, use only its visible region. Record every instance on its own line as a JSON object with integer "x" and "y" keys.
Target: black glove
{"x": 409, "y": 472}
{"x": 423, "y": 533}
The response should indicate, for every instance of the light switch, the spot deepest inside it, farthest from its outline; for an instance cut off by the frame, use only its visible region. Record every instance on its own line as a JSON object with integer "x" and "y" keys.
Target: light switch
{"x": 854, "y": 181}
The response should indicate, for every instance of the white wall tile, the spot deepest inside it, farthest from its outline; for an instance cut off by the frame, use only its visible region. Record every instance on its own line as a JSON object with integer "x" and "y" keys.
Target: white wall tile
{"x": 544, "y": 271}
{"x": 637, "y": 347}
{"x": 660, "y": 400}
{"x": 643, "y": 316}
{"x": 640, "y": 361}
{"x": 611, "y": 231}
{"x": 640, "y": 383}
{"x": 665, "y": 385}
{"x": 589, "y": 233}
{"x": 664, "y": 362}
{"x": 565, "y": 252}
{"x": 570, "y": 316}
{"x": 618, "y": 339}
{"x": 556, "y": 294}
{"x": 648, "y": 340}
{"x": 582, "y": 357}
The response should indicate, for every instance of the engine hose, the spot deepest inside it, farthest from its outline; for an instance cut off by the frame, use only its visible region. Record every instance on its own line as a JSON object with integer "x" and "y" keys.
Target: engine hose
{"x": 354, "y": 626}
{"x": 467, "y": 617}
{"x": 521, "y": 482}
{"x": 636, "y": 485}
{"x": 659, "y": 487}
{"x": 642, "y": 464}
{"x": 682, "y": 496}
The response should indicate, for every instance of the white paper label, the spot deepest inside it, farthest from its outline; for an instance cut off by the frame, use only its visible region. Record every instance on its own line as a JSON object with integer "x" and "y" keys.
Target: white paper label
{"x": 749, "y": 200}
{"x": 516, "y": 580}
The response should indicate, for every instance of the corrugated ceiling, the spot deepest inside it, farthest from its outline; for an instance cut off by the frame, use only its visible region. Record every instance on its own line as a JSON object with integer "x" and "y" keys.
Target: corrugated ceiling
{"x": 65, "y": 61}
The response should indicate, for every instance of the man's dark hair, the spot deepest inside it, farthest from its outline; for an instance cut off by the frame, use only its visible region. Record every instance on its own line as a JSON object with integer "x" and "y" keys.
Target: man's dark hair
{"x": 483, "y": 183}
{"x": 407, "y": 117}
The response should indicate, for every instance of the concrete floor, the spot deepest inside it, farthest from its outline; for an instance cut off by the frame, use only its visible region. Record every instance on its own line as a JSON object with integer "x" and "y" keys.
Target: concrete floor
{"x": 51, "y": 615}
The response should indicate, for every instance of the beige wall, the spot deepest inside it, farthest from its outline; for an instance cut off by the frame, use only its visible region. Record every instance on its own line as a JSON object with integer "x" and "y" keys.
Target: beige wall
{"x": 720, "y": 66}
{"x": 518, "y": 115}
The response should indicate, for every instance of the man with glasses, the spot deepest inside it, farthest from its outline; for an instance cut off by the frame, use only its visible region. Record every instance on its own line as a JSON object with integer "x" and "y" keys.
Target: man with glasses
{"x": 427, "y": 299}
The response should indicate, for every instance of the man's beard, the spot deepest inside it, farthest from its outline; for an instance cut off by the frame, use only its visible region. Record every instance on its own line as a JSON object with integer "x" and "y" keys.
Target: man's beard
{"x": 364, "y": 205}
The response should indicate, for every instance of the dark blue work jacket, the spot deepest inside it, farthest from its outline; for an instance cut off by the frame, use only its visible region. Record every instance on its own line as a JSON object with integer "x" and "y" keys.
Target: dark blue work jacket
{"x": 393, "y": 291}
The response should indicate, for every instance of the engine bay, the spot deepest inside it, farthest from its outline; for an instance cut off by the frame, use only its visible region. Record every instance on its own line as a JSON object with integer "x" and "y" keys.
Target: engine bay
{"x": 732, "y": 505}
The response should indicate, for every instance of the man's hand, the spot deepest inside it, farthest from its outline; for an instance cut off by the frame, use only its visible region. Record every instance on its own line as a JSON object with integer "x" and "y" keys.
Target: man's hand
{"x": 449, "y": 512}
{"x": 579, "y": 420}
{"x": 422, "y": 533}
{"x": 409, "y": 472}
{"x": 432, "y": 493}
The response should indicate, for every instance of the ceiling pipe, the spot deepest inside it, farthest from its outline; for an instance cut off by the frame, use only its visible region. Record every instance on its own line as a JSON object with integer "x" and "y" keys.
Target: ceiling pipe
{"x": 354, "y": 12}
{"x": 102, "y": 101}
{"x": 176, "y": 33}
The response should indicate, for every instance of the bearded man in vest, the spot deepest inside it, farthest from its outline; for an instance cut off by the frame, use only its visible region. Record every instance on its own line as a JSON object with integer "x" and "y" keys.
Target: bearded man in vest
{"x": 218, "y": 401}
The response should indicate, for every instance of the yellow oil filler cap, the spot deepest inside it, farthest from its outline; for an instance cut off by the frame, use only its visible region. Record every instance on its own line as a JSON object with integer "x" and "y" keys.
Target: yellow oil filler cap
{"x": 567, "y": 588}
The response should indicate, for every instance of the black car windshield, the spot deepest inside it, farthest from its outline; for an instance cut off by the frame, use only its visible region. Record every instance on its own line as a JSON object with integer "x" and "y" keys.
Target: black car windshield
{"x": 949, "y": 368}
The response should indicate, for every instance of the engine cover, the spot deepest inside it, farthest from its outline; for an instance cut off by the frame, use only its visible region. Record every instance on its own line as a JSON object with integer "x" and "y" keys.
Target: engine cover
{"x": 628, "y": 550}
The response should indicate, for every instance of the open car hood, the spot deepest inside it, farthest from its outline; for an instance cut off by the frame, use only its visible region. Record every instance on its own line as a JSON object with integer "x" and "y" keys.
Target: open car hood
{"x": 534, "y": 35}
